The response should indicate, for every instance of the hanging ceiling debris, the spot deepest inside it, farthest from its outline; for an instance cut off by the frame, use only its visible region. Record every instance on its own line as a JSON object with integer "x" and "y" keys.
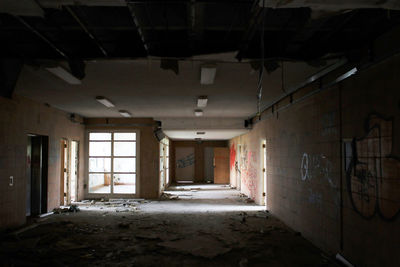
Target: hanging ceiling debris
{"x": 293, "y": 30}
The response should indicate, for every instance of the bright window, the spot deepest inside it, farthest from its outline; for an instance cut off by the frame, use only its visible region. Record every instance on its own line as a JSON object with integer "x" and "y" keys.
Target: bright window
{"x": 112, "y": 162}
{"x": 164, "y": 163}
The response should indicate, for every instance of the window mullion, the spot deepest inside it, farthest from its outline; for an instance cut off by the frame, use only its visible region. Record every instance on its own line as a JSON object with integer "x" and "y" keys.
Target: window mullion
{"x": 112, "y": 162}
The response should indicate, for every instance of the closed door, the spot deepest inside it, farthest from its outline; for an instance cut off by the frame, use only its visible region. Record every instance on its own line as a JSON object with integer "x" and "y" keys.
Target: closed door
{"x": 221, "y": 165}
{"x": 184, "y": 163}
{"x": 209, "y": 164}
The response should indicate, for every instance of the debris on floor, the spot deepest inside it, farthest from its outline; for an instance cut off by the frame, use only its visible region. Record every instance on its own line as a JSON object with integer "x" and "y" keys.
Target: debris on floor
{"x": 213, "y": 227}
{"x": 168, "y": 196}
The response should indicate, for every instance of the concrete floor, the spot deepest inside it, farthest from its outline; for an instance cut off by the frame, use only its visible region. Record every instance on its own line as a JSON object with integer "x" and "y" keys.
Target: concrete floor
{"x": 203, "y": 225}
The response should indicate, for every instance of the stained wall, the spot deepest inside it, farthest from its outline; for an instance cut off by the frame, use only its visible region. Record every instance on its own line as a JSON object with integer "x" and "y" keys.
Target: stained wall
{"x": 333, "y": 165}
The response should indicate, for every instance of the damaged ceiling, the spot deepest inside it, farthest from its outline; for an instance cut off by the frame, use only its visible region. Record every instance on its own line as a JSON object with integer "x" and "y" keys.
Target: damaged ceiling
{"x": 293, "y": 30}
{"x": 134, "y": 38}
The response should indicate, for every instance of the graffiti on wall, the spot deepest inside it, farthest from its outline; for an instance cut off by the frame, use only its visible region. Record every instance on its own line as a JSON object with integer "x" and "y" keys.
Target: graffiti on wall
{"x": 232, "y": 153}
{"x": 186, "y": 161}
{"x": 249, "y": 171}
{"x": 372, "y": 171}
{"x": 316, "y": 165}
{"x": 317, "y": 169}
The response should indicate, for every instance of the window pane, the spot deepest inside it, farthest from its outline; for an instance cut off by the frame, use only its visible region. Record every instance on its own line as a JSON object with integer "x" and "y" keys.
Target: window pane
{"x": 99, "y": 148}
{"x": 99, "y": 136}
{"x": 124, "y": 148}
{"x": 100, "y": 183}
{"x": 167, "y": 151}
{"x": 167, "y": 163}
{"x": 124, "y": 136}
{"x": 161, "y": 150}
{"x": 99, "y": 164}
{"x": 124, "y": 165}
{"x": 161, "y": 164}
{"x": 125, "y": 183}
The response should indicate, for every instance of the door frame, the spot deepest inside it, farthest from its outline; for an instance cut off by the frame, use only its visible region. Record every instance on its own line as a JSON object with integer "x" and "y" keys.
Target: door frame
{"x": 65, "y": 171}
{"x": 264, "y": 176}
{"x": 39, "y": 194}
{"x": 76, "y": 160}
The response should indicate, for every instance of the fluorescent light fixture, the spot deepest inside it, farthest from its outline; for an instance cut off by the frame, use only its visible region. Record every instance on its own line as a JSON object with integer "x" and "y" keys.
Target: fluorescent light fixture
{"x": 125, "y": 113}
{"x": 64, "y": 75}
{"x": 198, "y": 112}
{"x": 104, "y": 101}
{"x": 202, "y": 101}
{"x": 201, "y": 133}
{"x": 208, "y": 74}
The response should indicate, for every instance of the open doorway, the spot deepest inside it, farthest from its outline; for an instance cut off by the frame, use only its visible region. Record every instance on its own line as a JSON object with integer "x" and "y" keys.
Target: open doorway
{"x": 74, "y": 167}
{"x": 64, "y": 175}
{"x": 164, "y": 164}
{"x": 264, "y": 172}
{"x": 37, "y": 172}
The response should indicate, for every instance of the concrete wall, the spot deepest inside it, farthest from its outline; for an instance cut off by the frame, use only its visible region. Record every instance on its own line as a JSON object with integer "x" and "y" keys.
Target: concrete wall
{"x": 18, "y": 117}
{"x": 342, "y": 205}
{"x": 199, "y": 156}
{"x": 149, "y": 149}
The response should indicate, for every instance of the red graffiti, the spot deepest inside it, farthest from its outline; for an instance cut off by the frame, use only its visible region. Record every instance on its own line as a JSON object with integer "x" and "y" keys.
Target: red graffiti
{"x": 249, "y": 173}
{"x": 232, "y": 156}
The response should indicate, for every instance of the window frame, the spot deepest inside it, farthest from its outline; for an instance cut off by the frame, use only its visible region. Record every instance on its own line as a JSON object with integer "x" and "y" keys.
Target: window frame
{"x": 137, "y": 167}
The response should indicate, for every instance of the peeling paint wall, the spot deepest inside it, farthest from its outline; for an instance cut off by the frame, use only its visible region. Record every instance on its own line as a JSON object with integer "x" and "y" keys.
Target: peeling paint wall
{"x": 341, "y": 145}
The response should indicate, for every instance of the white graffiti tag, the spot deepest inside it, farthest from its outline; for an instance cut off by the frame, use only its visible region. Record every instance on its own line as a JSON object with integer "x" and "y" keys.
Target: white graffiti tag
{"x": 304, "y": 167}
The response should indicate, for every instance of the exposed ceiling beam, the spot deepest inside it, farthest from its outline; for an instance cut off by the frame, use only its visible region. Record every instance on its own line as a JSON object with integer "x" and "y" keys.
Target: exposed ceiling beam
{"x": 21, "y": 8}
{"x": 60, "y": 3}
{"x": 83, "y": 26}
{"x": 332, "y": 5}
{"x": 41, "y": 36}
{"x": 138, "y": 26}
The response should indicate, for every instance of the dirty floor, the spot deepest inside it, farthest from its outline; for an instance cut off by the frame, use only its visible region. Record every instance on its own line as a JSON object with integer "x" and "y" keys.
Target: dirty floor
{"x": 196, "y": 225}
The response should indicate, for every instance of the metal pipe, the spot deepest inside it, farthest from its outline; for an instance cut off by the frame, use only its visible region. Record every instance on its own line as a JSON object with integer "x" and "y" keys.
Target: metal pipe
{"x": 308, "y": 81}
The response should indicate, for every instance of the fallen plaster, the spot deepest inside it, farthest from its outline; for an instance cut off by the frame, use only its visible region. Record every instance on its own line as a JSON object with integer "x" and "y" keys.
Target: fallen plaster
{"x": 212, "y": 227}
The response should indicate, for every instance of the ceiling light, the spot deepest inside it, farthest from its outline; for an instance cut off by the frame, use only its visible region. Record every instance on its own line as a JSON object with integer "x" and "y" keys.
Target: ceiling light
{"x": 201, "y": 133}
{"x": 125, "y": 113}
{"x": 198, "y": 112}
{"x": 208, "y": 74}
{"x": 104, "y": 101}
{"x": 202, "y": 101}
{"x": 64, "y": 75}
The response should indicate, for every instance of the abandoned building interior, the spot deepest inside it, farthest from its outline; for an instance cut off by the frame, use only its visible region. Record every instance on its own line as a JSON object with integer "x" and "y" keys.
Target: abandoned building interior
{"x": 200, "y": 132}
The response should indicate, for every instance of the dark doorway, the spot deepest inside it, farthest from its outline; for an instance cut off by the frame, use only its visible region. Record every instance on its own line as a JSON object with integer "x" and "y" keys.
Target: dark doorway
{"x": 37, "y": 170}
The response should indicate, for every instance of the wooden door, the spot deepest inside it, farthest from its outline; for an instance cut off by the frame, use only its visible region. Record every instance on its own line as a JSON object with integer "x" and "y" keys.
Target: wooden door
{"x": 221, "y": 165}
